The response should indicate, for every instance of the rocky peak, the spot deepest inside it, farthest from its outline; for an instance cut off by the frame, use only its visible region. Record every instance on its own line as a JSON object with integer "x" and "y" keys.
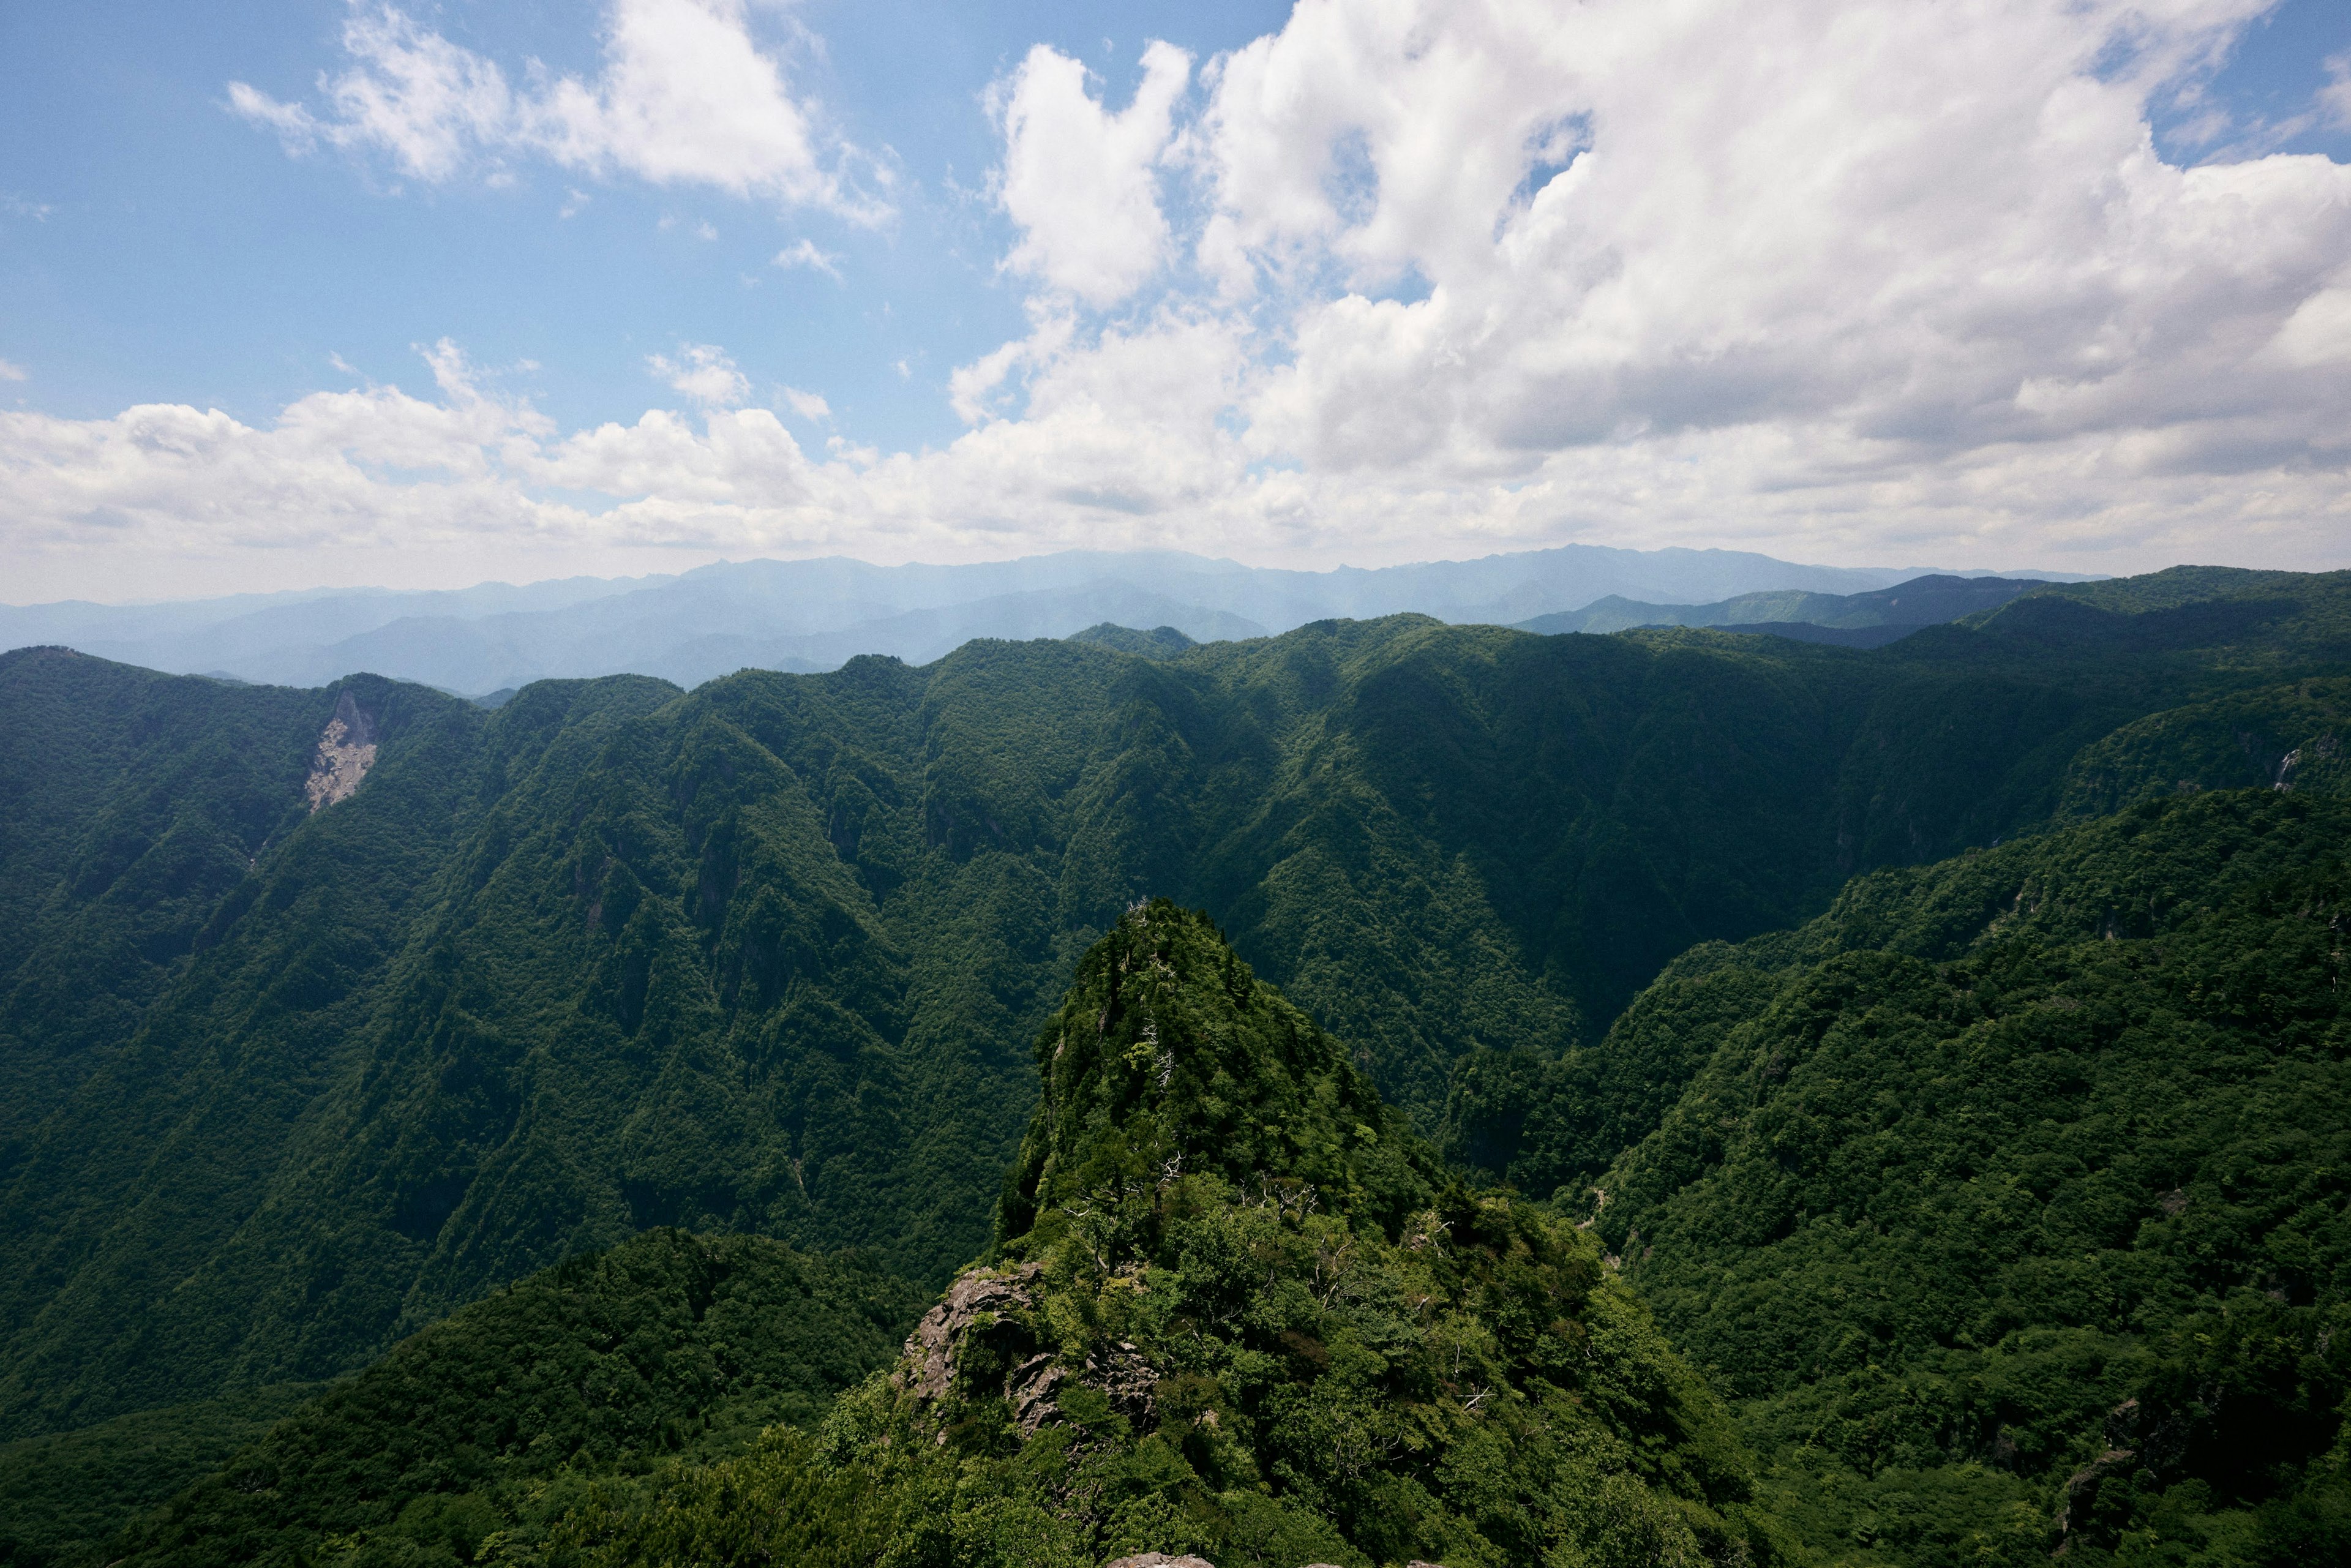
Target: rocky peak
{"x": 1170, "y": 1058}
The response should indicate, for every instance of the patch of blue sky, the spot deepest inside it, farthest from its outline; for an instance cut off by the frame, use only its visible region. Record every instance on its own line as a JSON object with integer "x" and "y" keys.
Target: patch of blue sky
{"x": 156, "y": 247}
{"x": 2283, "y": 86}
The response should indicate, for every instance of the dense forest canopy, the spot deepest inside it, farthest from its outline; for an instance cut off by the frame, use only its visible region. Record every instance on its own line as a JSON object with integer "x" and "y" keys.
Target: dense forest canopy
{"x": 280, "y": 1086}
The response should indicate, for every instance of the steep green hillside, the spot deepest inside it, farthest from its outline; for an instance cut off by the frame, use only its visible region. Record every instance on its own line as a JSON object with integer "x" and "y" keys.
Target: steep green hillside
{"x": 64, "y": 1496}
{"x": 131, "y": 805}
{"x": 1237, "y": 1310}
{"x": 492, "y": 1423}
{"x": 760, "y": 958}
{"x": 2294, "y": 737}
{"x": 134, "y": 1280}
{"x": 2012, "y": 1198}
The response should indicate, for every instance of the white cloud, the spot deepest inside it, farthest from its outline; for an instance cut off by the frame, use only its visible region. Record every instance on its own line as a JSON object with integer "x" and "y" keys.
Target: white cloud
{"x": 12, "y": 371}
{"x": 2319, "y": 331}
{"x": 809, "y": 405}
{"x": 1768, "y": 220}
{"x": 427, "y": 102}
{"x": 686, "y": 97}
{"x": 804, "y": 253}
{"x": 976, "y": 391}
{"x": 1856, "y": 280}
{"x": 704, "y": 372}
{"x": 2335, "y": 97}
{"x": 1512, "y": 248}
{"x": 1081, "y": 181}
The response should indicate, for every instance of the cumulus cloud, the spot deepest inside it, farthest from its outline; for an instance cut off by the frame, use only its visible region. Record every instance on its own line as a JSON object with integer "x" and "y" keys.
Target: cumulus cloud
{"x": 1502, "y": 248}
{"x": 1838, "y": 280}
{"x": 704, "y": 372}
{"x": 1082, "y": 181}
{"x": 809, "y": 405}
{"x": 686, "y": 97}
{"x": 12, "y": 371}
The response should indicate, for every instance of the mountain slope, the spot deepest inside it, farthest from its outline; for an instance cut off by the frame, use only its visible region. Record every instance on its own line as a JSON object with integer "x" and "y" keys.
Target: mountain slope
{"x": 1237, "y": 1311}
{"x": 758, "y": 957}
{"x": 1159, "y": 642}
{"x": 490, "y": 1422}
{"x": 2294, "y": 737}
{"x": 128, "y": 1195}
{"x": 2012, "y": 1197}
{"x": 64, "y": 1496}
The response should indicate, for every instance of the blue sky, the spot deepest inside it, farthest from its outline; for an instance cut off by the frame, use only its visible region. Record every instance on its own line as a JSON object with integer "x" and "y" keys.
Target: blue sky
{"x": 181, "y": 256}
{"x": 1372, "y": 281}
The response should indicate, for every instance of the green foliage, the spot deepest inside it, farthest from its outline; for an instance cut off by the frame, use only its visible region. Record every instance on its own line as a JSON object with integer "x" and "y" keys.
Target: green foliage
{"x": 2022, "y": 1184}
{"x": 279, "y": 1089}
{"x": 63, "y": 1496}
{"x": 2296, "y": 736}
{"x": 488, "y": 1426}
{"x": 1237, "y": 1310}
{"x": 136, "y": 1225}
{"x": 1168, "y": 1056}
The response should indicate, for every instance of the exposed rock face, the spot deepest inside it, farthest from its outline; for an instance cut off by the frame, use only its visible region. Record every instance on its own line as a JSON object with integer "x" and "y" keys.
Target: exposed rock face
{"x": 991, "y": 1307}
{"x": 1029, "y": 1387}
{"x": 346, "y": 752}
{"x": 933, "y": 1344}
{"x": 1122, "y": 1373}
{"x": 1159, "y": 1560}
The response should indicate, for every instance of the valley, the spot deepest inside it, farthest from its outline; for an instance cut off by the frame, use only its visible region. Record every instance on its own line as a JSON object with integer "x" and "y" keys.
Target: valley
{"x": 1689, "y": 1096}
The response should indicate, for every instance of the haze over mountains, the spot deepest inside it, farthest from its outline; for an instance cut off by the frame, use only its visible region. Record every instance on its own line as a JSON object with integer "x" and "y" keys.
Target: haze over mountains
{"x": 813, "y": 615}
{"x": 1866, "y": 619}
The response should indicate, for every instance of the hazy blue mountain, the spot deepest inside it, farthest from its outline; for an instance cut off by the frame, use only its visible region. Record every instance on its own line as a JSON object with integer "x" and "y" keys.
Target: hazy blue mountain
{"x": 814, "y": 615}
{"x": 242, "y": 627}
{"x": 1866, "y": 620}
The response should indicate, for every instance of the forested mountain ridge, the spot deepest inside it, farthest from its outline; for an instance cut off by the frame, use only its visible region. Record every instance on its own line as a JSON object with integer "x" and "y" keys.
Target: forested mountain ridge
{"x": 757, "y": 957}
{"x": 1236, "y": 1308}
{"x": 498, "y": 1420}
{"x": 2012, "y": 1196}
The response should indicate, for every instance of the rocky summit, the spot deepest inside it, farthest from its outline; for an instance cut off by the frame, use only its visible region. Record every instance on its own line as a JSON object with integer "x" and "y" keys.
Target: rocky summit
{"x": 1237, "y": 1314}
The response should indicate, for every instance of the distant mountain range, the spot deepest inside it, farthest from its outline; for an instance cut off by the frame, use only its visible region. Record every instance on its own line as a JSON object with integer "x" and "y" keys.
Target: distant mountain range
{"x": 814, "y": 615}
{"x": 1866, "y": 620}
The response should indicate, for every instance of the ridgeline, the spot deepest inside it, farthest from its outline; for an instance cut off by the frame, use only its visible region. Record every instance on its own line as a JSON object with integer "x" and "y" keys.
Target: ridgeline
{"x": 1237, "y": 1310}
{"x": 1873, "y": 988}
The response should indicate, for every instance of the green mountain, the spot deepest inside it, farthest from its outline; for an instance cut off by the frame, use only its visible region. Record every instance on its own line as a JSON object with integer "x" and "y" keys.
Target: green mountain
{"x": 281, "y": 1085}
{"x": 2011, "y": 1199}
{"x": 477, "y": 1434}
{"x": 1159, "y": 642}
{"x": 1235, "y": 1310}
{"x": 65, "y": 1495}
{"x": 1893, "y": 611}
{"x": 2296, "y": 737}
